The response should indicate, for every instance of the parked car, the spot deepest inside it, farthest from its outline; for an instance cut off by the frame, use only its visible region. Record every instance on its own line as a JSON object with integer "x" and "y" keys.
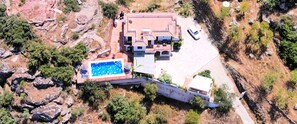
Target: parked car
{"x": 194, "y": 32}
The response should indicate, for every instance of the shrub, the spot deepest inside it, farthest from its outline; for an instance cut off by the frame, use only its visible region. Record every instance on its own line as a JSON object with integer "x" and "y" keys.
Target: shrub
{"x": 5, "y": 117}
{"x": 197, "y": 102}
{"x": 109, "y": 10}
{"x": 123, "y": 2}
{"x": 236, "y": 34}
{"x": 185, "y": 9}
{"x": 269, "y": 80}
{"x": 294, "y": 77}
{"x": 224, "y": 12}
{"x": 281, "y": 100}
{"x": 224, "y": 98}
{"x": 75, "y": 36}
{"x": 76, "y": 112}
{"x": 166, "y": 78}
{"x": 71, "y": 5}
{"x": 123, "y": 110}
{"x": 152, "y": 6}
{"x": 192, "y": 117}
{"x": 154, "y": 119}
{"x": 61, "y": 18}
{"x": 6, "y": 99}
{"x": 150, "y": 91}
{"x": 26, "y": 114}
{"x": 2, "y": 10}
{"x": 260, "y": 36}
{"x": 104, "y": 116}
{"x": 244, "y": 7}
{"x": 271, "y": 4}
{"x": 93, "y": 94}
{"x": 164, "y": 110}
{"x": 205, "y": 73}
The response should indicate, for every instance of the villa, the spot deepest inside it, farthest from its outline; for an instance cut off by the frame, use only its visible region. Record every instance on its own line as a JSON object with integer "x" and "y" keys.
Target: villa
{"x": 149, "y": 36}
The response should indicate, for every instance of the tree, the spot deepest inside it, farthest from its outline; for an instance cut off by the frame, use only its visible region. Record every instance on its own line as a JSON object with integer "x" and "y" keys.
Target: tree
{"x": 197, "y": 102}
{"x": 192, "y": 117}
{"x": 166, "y": 78}
{"x": 260, "y": 36}
{"x": 54, "y": 63}
{"x": 109, "y": 10}
{"x": 2, "y": 10}
{"x": 16, "y": 31}
{"x": 5, "y": 117}
{"x": 93, "y": 94}
{"x": 38, "y": 55}
{"x": 76, "y": 54}
{"x": 288, "y": 49}
{"x": 271, "y": 4}
{"x": 224, "y": 98}
{"x": 71, "y": 5}
{"x": 6, "y": 99}
{"x": 150, "y": 91}
{"x": 123, "y": 110}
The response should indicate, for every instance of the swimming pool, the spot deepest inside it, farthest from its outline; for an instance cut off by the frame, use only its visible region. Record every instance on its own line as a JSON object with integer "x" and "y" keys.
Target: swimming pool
{"x": 106, "y": 68}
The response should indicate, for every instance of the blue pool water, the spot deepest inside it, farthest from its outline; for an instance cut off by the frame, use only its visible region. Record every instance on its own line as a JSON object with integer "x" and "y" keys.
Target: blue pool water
{"x": 107, "y": 68}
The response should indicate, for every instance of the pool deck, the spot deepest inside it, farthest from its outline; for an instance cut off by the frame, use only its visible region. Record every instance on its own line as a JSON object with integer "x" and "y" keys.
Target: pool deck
{"x": 115, "y": 53}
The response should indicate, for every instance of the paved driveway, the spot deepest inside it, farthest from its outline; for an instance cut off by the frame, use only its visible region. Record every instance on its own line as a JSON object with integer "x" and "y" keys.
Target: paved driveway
{"x": 195, "y": 56}
{"x": 191, "y": 57}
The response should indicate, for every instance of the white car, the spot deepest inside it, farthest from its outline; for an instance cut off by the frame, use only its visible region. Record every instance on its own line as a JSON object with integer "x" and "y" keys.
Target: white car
{"x": 194, "y": 32}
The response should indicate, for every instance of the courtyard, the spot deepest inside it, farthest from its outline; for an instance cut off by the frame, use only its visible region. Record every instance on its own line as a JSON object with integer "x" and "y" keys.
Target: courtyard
{"x": 192, "y": 56}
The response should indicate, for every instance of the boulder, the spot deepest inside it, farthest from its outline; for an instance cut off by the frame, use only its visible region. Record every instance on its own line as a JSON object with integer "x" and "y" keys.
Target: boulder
{"x": 59, "y": 100}
{"x": 5, "y": 54}
{"x": 65, "y": 110}
{"x": 46, "y": 113}
{"x": 295, "y": 107}
{"x": 69, "y": 101}
{"x": 38, "y": 97}
{"x": 268, "y": 53}
{"x": 66, "y": 118}
{"x": 43, "y": 83}
{"x": 251, "y": 56}
{"x": 5, "y": 71}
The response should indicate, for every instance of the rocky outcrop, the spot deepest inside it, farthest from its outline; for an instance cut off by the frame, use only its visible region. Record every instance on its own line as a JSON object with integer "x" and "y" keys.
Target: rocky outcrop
{"x": 46, "y": 113}
{"x": 43, "y": 83}
{"x": 5, "y": 53}
{"x": 59, "y": 100}
{"x": 41, "y": 97}
{"x": 66, "y": 118}
{"x": 252, "y": 104}
{"x": 69, "y": 101}
{"x": 65, "y": 110}
{"x": 5, "y": 72}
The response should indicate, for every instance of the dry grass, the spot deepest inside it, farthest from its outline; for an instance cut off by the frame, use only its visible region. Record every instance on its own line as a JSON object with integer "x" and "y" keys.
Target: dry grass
{"x": 254, "y": 70}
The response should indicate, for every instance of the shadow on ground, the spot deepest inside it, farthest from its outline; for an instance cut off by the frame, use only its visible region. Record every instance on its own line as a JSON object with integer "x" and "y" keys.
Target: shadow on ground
{"x": 204, "y": 14}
